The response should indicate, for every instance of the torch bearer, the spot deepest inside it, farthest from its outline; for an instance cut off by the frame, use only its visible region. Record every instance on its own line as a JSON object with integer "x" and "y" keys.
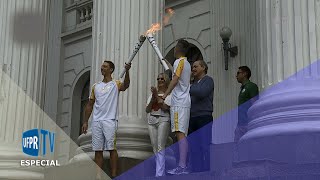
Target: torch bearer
{"x": 157, "y": 50}
{"x": 142, "y": 38}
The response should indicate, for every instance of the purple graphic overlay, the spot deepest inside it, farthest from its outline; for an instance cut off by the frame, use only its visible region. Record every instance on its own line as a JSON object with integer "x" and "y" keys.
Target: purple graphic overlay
{"x": 281, "y": 139}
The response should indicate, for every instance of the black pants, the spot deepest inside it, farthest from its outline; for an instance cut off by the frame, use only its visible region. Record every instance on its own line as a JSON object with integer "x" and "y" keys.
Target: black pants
{"x": 200, "y": 131}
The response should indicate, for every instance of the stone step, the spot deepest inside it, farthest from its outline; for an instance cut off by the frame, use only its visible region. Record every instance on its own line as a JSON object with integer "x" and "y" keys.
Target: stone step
{"x": 85, "y": 170}
{"x": 191, "y": 176}
{"x": 259, "y": 170}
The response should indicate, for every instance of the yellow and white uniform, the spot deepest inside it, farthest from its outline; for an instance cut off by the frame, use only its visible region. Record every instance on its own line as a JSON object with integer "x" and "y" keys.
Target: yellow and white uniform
{"x": 180, "y": 97}
{"x": 105, "y": 115}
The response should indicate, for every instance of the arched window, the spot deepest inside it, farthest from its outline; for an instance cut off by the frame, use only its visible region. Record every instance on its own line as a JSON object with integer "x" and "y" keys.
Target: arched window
{"x": 79, "y": 99}
{"x": 193, "y": 55}
{"x": 84, "y": 101}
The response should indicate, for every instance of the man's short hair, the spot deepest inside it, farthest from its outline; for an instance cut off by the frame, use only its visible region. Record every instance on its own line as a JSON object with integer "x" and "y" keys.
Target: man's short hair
{"x": 110, "y": 64}
{"x": 247, "y": 70}
{"x": 203, "y": 64}
{"x": 183, "y": 46}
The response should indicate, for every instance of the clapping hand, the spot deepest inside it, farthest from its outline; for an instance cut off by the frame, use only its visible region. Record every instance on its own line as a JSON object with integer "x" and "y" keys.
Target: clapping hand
{"x": 154, "y": 92}
{"x": 155, "y": 96}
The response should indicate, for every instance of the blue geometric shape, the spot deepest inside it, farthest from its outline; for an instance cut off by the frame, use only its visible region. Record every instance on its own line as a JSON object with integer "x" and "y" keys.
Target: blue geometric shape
{"x": 31, "y": 142}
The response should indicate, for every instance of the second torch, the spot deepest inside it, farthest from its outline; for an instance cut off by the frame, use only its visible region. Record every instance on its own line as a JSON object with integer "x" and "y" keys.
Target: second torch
{"x": 157, "y": 50}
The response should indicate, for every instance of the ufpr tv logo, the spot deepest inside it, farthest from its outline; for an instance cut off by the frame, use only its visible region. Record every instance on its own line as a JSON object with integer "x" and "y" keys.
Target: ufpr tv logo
{"x": 35, "y": 142}
{"x": 31, "y": 141}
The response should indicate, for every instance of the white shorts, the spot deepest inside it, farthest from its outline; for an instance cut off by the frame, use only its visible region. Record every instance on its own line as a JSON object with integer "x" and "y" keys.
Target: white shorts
{"x": 104, "y": 135}
{"x": 180, "y": 119}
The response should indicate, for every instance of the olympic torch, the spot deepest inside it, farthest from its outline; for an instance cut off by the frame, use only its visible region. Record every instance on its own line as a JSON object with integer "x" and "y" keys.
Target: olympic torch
{"x": 142, "y": 38}
{"x": 157, "y": 50}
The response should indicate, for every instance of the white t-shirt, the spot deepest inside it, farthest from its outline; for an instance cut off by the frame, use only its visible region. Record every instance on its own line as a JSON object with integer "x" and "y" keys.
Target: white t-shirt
{"x": 106, "y": 96}
{"x": 180, "y": 94}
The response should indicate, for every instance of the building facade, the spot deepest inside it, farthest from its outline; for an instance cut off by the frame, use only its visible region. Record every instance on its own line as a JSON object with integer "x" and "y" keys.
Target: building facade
{"x": 276, "y": 39}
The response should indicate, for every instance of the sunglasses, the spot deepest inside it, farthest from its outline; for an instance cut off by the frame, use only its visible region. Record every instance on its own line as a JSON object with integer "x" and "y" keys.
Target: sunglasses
{"x": 160, "y": 79}
{"x": 239, "y": 73}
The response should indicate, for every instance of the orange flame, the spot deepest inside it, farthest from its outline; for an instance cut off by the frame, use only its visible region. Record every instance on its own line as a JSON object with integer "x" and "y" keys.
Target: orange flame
{"x": 153, "y": 29}
{"x": 170, "y": 11}
{"x": 169, "y": 14}
{"x": 157, "y": 26}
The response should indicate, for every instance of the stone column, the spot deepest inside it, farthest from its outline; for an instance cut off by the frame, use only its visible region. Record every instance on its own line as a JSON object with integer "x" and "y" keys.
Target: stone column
{"x": 285, "y": 125}
{"x": 22, "y": 61}
{"x": 116, "y": 28}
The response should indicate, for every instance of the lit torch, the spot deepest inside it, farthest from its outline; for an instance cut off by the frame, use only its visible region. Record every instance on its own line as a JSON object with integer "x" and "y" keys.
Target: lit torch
{"x": 152, "y": 30}
{"x": 157, "y": 50}
{"x": 135, "y": 51}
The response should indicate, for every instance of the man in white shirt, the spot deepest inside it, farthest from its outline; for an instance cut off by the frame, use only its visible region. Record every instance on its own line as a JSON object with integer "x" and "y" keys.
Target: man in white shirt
{"x": 180, "y": 103}
{"x": 103, "y": 101}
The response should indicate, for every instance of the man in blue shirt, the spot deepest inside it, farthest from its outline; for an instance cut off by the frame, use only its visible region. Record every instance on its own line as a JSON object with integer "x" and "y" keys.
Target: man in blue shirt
{"x": 201, "y": 93}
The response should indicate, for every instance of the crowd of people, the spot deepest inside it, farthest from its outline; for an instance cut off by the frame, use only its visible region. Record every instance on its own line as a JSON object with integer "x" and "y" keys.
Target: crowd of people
{"x": 180, "y": 105}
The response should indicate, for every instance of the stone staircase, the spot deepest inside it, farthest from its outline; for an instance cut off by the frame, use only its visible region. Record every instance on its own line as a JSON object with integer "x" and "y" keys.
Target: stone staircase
{"x": 222, "y": 166}
{"x": 260, "y": 170}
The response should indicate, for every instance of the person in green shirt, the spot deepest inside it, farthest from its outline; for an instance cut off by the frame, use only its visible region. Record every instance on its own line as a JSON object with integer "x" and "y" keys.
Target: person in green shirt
{"x": 248, "y": 94}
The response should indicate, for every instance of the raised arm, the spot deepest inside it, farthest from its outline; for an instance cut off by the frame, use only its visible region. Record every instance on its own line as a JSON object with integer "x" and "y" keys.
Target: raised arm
{"x": 175, "y": 79}
{"x": 169, "y": 65}
{"x": 171, "y": 86}
{"x": 126, "y": 83}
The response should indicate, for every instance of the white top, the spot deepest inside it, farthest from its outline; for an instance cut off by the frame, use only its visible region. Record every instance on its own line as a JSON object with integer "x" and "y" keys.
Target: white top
{"x": 157, "y": 111}
{"x": 180, "y": 94}
{"x": 106, "y": 96}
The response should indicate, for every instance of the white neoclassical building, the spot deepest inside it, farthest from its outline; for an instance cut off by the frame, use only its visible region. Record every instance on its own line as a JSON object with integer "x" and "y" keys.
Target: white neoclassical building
{"x": 275, "y": 38}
